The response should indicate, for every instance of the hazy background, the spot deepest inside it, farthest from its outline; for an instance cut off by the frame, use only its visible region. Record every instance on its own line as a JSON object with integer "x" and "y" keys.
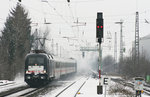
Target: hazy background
{"x": 63, "y": 15}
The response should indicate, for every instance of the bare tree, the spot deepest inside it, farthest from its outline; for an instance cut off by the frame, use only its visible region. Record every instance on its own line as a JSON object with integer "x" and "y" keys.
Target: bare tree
{"x": 108, "y": 64}
{"x": 129, "y": 69}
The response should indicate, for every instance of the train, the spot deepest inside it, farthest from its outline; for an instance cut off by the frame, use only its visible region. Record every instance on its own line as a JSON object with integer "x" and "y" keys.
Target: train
{"x": 41, "y": 67}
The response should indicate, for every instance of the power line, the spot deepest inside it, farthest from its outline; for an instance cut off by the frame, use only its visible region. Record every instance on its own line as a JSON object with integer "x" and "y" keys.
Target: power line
{"x": 57, "y": 12}
{"x": 75, "y": 1}
{"x": 60, "y": 15}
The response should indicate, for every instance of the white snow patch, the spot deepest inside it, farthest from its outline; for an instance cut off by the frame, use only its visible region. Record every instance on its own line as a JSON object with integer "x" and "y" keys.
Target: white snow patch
{"x": 88, "y": 90}
{"x": 19, "y": 78}
{"x": 3, "y": 82}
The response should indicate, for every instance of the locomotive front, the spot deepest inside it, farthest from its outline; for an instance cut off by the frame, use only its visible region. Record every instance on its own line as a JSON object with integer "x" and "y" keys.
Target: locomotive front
{"x": 36, "y": 69}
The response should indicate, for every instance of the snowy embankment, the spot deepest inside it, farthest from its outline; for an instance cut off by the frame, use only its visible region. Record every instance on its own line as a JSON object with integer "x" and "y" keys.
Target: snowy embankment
{"x": 6, "y": 85}
{"x": 89, "y": 89}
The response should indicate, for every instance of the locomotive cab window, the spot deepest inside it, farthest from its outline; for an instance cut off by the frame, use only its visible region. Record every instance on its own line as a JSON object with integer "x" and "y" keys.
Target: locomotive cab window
{"x": 36, "y": 60}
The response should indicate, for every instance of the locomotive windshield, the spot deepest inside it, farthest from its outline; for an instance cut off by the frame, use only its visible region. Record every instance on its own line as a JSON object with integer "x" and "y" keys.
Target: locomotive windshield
{"x": 32, "y": 60}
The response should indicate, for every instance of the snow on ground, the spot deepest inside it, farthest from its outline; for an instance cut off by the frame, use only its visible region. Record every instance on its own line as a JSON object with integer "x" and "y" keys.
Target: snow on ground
{"x": 90, "y": 90}
{"x": 3, "y": 82}
{"x": 73, "y": 89}
{"x": 19, "y": 81}
{"x": 5, "y": 88}
{"x": 63, "y": 84}
{"x": 19, "y": 78}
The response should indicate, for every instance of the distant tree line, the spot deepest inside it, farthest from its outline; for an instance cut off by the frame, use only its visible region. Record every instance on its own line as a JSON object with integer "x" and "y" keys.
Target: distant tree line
{"x": 108, "y": 65}
{"x": 129, "y": 69}
{"x": 15, "y": 42}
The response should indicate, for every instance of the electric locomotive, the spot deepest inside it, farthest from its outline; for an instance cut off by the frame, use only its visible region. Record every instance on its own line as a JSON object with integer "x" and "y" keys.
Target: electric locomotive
{"x": 41, "y": 67}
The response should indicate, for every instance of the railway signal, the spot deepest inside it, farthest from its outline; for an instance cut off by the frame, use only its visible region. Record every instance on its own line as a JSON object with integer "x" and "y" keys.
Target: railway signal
{"x": 99, "y": 36}
{"x": 99, "y": 27}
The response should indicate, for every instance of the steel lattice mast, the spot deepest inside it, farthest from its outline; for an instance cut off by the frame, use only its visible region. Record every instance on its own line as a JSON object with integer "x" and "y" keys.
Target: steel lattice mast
{"x": 137, "y": 39}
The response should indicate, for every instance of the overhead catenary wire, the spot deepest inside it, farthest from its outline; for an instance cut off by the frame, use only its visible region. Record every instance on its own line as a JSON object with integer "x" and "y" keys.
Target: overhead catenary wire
{"x": 58, "y": 13}
{"x": 74, "y": 20}
{"x": 86, "y": 17}
{"x": 60, "y": 1}
{"x": 74, "y": 16}
{"x": 71, "y": 11}
{"x": 76, "y": 1}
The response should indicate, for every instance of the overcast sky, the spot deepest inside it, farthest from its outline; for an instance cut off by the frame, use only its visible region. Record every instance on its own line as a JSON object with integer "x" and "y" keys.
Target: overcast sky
{"x": 62, "y": 15}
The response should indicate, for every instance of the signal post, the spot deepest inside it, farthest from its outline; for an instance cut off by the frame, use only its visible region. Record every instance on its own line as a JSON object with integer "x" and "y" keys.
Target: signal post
{"x": 99, "y": 36}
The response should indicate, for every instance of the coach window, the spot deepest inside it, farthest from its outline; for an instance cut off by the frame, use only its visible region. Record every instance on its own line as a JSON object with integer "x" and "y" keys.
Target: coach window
{"x": 57, "y": 65}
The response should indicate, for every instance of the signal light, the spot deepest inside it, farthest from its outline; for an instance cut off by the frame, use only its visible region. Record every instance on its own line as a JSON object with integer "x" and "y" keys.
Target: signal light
{"x": 28, "y": 72}
{"x": 68, "y": 0}
{"x": 99, "y": 29}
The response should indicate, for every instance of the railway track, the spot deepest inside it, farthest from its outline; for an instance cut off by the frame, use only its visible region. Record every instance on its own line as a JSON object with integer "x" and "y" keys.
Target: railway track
{"x": 80, "y": 88}
{"x": 65, "y": 89}
{"x": 74, "y": 88}
{"x": 7, "y": 84}
{"x": 26, "y": 91}
{"x": 146, "y": 88}
{"x": 13, "y": 90}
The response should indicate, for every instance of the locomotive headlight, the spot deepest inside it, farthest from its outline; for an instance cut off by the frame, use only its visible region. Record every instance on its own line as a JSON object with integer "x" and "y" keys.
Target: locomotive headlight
{"x": 42, "y": 77}
{"x": 27, "y": 72}
{"x": 28, "y": 77}
{"x": 44, "y": 71}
